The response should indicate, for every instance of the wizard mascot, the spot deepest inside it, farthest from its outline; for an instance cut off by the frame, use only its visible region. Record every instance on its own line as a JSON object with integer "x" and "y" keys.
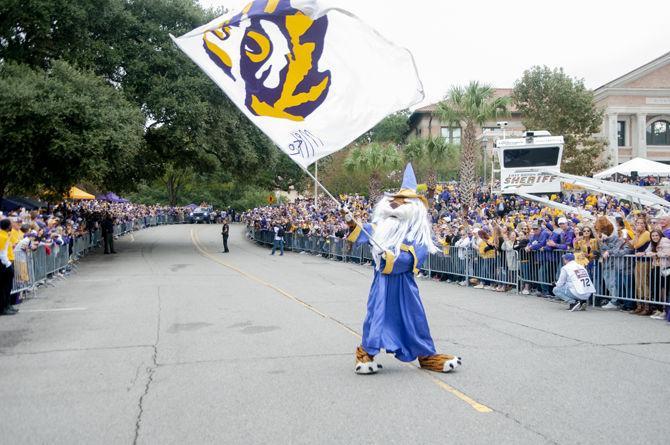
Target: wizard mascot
{"x": 396, "y": 321}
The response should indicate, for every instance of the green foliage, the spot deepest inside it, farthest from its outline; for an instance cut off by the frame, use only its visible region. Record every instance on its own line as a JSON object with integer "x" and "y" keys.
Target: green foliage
{"x": 393, "y": 128}
{"x": 250, "y": 198}
{"x": 373, "y": 158}
{"x": 551, "y": 100}
{"x": 376, "y": 160}
{"x": 432, "y": 158}
{"x": 217, "y": 189}
{"x": 190, "y": 123}
{"x": 414, "y": 152}
{"x": 337, "y": 179}
{"x": 63, "y": 126}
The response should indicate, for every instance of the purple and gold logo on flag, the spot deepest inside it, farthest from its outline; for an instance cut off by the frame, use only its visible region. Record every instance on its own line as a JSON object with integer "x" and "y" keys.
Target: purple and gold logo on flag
{"x": 312, "y": 76}
{"x": 274, "y": 50}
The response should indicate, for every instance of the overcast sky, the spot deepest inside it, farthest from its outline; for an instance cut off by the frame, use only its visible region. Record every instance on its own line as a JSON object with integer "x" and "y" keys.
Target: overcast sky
{"x": 454, "y": 42}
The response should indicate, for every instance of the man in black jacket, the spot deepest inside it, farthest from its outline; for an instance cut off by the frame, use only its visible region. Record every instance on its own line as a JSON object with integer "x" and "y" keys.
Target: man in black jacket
{"x": 224, "y": 234}
{"x": 108, "y": 233}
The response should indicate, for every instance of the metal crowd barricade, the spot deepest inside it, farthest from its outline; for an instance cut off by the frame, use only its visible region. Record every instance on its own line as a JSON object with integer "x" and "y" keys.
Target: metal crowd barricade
{"x": 355, "y": 252}
{"x": 633, "y": 280}
{"x": 313, "y": 245}
{"x": 540, "y": 268}
{"x": 366, "y": 253}
{"x": 638, "y": 280}
{"x": 39, "y": 267}
{"x": 456, "y": 263}
{"x": 297, "y": 242}
{"x": 23, "y": 273}
{"x": 490, "y": 270}
{"x": 337, "y": 250}
{"x": 450, "y": 264}
{"x": 288, "y": 241}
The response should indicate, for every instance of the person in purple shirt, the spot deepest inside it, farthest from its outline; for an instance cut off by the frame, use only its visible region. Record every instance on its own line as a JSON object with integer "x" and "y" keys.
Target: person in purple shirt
{"x": 564, "y": 236}
{"x": 664, "y": 225}
{"x": 537, "y": 242}
{"x": 561, "y": 239}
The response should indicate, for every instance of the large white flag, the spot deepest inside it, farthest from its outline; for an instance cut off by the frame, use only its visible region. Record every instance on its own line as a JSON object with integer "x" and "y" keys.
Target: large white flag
{"x": 311, "y": 77}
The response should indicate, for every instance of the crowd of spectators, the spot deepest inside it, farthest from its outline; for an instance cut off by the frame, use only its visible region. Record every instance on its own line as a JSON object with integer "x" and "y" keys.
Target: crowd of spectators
{"x": 626, "y": 250}
{"x": 57, "y": 228}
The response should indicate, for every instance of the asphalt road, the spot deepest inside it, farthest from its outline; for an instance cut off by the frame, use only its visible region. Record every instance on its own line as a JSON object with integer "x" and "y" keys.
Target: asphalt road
{"x": 173, "y": 342}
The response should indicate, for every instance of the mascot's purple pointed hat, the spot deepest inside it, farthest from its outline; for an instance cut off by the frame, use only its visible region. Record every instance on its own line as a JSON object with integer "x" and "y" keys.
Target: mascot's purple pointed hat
{"x": 408, "y": 187}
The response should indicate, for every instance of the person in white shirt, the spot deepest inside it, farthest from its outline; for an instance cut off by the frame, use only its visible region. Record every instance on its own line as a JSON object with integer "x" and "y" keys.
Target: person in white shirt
{"x": 574, "y": 284}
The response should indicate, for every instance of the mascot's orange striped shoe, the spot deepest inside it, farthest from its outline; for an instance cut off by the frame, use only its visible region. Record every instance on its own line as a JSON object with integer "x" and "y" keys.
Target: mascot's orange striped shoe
{"x": 365, "y": 363}
{"x": 440, "y": 362}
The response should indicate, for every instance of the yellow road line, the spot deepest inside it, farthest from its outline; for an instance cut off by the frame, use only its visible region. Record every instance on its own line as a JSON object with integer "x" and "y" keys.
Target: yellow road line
{"x": 196, "y": 242}
{"x": 450, "y": 389}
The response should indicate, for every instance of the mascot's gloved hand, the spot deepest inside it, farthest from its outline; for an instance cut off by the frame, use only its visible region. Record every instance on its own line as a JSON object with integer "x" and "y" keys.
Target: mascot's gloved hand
{"x": 344, "y": 210}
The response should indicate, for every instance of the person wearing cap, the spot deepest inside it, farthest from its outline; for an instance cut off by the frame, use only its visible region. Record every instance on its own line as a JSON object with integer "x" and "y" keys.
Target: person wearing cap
{"x": 537, "y": 243}
{"x": 561, "y": 239}
{"x": 565, "y": 235}
{"x": 574, "y": 284}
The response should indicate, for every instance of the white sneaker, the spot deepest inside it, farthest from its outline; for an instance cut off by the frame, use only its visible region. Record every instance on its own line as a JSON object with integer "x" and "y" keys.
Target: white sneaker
{"x": 488, "y": 287}
{"x": 479, "y": 286}
{"x": 463, "y": 283}
{"x": 610, "y": 306}
{"x": 525, "y": 292}
{"x": 658, "y": 315}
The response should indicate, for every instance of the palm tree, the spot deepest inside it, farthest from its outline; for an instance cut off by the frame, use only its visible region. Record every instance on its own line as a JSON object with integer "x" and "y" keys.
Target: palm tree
{"x": 375, "y": 159}
{"x": 470, "y": 107}
{"x": 429, "y": 156}
{"x": 437, "y": 156}
{"x": 414, "y": 151}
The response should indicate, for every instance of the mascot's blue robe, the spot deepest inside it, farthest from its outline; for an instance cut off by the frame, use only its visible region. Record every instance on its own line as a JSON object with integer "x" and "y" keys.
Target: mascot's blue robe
{"x": 396, "y": 320}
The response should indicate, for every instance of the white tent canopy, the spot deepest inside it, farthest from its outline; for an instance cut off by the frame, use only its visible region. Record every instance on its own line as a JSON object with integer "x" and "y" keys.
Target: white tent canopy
{"x": 643, "y": 167}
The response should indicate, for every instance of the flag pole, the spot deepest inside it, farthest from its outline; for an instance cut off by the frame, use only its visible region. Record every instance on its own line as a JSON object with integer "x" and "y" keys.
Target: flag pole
{"x": 358, "y": 223}
{"x": 316, "y": 190}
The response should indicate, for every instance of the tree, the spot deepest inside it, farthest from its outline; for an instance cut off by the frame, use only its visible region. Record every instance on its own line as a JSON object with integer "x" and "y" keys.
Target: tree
{"x": 393, "y": 128}
{"x": 432, "y": 156}
{"x": 470, "y": 107}
{"x": 551, "y": 100}
{"x": 63, "y": 126}
{"x": 190, "y": 123}
{"x": 193, "y": 123}
{"x": 376, "y": 160}
{"x": 174, "y": 179}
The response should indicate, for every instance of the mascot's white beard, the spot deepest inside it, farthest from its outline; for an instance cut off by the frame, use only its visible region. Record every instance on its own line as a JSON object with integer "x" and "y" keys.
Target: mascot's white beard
{"x": 408, "y": 222}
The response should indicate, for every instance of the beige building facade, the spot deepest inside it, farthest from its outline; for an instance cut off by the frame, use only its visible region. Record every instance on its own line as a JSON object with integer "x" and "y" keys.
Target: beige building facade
{"x": 424, "y": 123}
{"x": 636, "y": 119}
{"x": 636, "y": 108}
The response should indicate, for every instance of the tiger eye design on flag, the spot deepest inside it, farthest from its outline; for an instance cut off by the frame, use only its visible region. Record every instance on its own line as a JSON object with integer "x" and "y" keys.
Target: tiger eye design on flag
{"x": 310, "y": 75}
{"x": 274, "y": 50}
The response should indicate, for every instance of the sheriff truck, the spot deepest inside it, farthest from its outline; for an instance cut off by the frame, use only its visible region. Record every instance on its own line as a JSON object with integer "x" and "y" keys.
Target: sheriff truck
{"x": 526, "y": 164}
